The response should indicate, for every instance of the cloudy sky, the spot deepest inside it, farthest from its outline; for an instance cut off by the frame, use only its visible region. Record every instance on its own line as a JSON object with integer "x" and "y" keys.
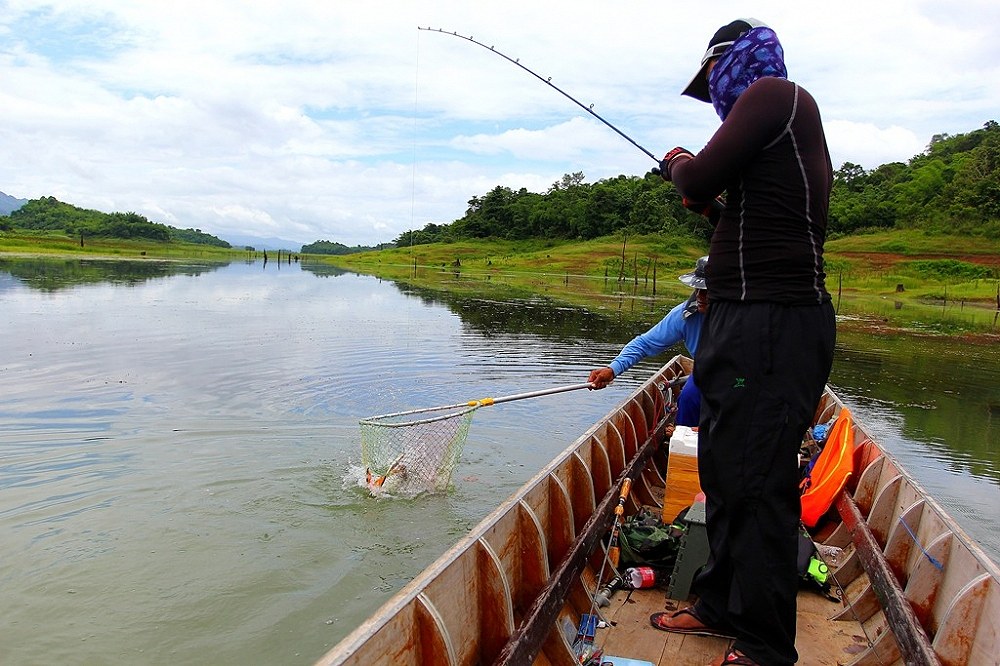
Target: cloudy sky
{"x": 341, "y": 121}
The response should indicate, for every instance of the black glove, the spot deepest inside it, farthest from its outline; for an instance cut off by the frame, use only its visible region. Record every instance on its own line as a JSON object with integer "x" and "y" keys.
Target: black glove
{"x": 671, "y": 158}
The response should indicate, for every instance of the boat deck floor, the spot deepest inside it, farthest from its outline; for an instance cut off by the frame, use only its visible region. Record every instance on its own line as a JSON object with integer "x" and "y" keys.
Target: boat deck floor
{"x": 819, "y": 639}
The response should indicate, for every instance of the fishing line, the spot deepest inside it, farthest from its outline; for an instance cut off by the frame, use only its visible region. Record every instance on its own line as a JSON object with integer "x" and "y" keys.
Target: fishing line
{"x": 850, "y": 605}
{"x": 937, "y": 563}
{"x": 548, "y": 82}
{"x": 413, "y": 168}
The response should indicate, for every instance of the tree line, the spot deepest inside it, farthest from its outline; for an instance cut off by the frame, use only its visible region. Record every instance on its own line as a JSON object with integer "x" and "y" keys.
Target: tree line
{"x": 333, "y": 248}
{"x": 953, "y": 187}
{"x": 570, "y": 209}
{"x": 50, "y": 214}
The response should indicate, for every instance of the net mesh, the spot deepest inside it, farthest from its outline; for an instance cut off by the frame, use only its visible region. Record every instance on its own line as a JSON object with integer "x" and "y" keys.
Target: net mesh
{"x": 414, "y": 451}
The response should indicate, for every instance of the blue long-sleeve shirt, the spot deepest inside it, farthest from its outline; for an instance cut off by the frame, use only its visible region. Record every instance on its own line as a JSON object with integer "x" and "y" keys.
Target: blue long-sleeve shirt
{"x": 670, "y": 330}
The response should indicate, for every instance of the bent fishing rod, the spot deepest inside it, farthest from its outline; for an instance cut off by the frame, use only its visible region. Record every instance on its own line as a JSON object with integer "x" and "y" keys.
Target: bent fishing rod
{"x": 548, "y": 82}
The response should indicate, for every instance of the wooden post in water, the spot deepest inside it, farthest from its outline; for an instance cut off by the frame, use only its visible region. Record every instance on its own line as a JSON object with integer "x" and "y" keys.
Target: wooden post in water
{"x": 840, "y": 288}
{"x": 654, "y": 276}
{"x": 621, "y": 273}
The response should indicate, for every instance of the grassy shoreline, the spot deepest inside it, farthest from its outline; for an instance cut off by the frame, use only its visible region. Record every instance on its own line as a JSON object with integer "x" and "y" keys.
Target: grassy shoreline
{"x": 25, "y": 244}
{"x": 895, "y": 281}
{"x": 901, "y": 280}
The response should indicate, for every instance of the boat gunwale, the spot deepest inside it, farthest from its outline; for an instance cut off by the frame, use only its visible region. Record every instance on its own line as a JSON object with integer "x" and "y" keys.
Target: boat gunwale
{"x": 870, "y": 492}
{"x": 412, "y": 590}
{"x": 974, "y": 548}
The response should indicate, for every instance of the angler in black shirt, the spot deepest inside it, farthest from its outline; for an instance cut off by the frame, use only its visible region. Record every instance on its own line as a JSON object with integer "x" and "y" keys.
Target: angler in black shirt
{"x": 767, "y": 346}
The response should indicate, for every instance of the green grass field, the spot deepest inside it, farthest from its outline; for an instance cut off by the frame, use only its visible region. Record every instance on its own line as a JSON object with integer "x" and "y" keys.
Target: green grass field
{"x": 877, "y": 274}
{"x": 59, "y": 244}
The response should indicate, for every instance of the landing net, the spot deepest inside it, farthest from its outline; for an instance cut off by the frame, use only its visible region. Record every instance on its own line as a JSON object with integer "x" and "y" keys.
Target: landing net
{"x": 409, "y": 455}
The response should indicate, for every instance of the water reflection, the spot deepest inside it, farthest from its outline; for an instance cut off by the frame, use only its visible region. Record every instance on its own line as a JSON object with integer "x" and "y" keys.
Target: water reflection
{"x": 942, "y": 317}
{"x": 322, "y": 270}
{"x": 935, "y": 400}
{"x": 54, "y": 274}
{"x": 174, "y": 443}
{"x": 946, "y": 393}
{"x": 536, "y": 316}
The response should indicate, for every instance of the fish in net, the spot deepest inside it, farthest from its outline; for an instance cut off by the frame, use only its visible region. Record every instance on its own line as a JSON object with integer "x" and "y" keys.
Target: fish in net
{"x": 404, "y": 455}
{"x": 417, "y": 450}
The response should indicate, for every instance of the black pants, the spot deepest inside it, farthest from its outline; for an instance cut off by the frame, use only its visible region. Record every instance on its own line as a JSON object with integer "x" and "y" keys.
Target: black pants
{"x": 761, "y": 368}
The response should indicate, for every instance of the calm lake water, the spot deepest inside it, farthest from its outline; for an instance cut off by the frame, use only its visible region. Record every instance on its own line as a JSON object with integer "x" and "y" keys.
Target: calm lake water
{"x": 179, "y": 445}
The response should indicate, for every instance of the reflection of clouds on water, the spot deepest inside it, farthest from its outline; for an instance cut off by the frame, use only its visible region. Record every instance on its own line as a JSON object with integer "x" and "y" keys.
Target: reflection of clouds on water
{"x": 187, "y": 449}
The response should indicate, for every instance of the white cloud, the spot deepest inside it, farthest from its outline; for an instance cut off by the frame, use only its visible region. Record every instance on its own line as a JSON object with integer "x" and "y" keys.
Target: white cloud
{"x": 870, "y": 146}
{"x": 341, "y": 121}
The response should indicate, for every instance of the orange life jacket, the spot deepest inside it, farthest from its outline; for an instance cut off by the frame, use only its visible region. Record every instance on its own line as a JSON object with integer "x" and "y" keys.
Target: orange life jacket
{"x": 832, "y": 470}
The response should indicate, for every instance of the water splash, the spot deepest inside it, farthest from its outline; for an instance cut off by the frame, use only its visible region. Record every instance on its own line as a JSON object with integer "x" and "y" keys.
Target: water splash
{"x": 394, "y": 487}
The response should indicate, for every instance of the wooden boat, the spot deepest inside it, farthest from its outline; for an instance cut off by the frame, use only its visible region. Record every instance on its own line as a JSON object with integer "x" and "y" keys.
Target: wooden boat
{"x": 915, "y": 588}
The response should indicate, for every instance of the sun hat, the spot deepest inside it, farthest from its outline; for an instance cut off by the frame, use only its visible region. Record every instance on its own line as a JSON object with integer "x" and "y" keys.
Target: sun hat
{"x": 721, "y": 40}
{"x": 696, "y": 278}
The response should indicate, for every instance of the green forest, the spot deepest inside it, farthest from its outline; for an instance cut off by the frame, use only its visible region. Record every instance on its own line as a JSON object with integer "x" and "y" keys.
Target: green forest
{"x": 49, "y": 214}
{"x": 331, "y": 248}
{"x": 953, "y": 187}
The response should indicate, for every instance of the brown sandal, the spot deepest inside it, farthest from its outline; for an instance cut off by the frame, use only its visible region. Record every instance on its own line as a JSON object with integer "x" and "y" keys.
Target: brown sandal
{"x": 734, "y": 658}
{"x": 701, "y": 629}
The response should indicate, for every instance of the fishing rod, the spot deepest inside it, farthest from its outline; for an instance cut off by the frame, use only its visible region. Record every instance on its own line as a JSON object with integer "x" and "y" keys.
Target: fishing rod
{"x": 548, "y": 82}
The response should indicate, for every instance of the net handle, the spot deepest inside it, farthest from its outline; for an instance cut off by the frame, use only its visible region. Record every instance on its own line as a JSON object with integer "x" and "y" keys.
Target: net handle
{"x": 473, "y": 404}
{"x": 456, "y": 411}
{"x": 535, "y": 394}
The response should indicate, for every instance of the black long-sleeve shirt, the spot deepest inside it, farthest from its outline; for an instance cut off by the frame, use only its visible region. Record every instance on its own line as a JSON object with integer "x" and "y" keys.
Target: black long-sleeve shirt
{"x": 770, "y": 157}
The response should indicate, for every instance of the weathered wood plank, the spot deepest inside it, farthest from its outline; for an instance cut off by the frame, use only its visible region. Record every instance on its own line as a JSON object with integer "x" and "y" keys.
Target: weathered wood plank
{"x": 910, "y": 634}
{"x": 525, "y": 646}
{"x": 957, "y": 635}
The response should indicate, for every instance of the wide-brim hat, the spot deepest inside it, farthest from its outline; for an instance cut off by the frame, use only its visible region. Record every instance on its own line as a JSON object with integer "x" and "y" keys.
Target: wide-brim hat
{"x": 723, "y": 38}
{"x": 696, "y": 278}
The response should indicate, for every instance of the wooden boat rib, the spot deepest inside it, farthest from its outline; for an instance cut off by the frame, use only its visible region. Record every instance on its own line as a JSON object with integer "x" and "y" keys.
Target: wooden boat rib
{"x": 916, "y": 589}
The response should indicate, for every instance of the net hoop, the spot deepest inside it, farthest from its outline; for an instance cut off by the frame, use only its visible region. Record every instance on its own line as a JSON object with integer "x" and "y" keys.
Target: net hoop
{"x": 388, "y": 420}
{"x": 408, "y": 455}
{"x": 415, "y": 454}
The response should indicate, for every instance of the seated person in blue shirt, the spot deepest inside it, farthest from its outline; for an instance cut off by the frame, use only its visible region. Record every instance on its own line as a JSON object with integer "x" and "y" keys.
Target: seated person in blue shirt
{"x": 682, "y": 324}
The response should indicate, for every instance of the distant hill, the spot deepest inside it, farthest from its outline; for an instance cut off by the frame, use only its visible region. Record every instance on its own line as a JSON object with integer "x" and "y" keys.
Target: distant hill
{"x": 9, "y": 204}
{"x": 260, "y": 243}
{"x": 50, "y": 214}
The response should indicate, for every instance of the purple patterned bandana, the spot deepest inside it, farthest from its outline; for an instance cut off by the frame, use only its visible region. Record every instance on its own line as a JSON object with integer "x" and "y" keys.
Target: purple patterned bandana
{"x": 753, "y": 56}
